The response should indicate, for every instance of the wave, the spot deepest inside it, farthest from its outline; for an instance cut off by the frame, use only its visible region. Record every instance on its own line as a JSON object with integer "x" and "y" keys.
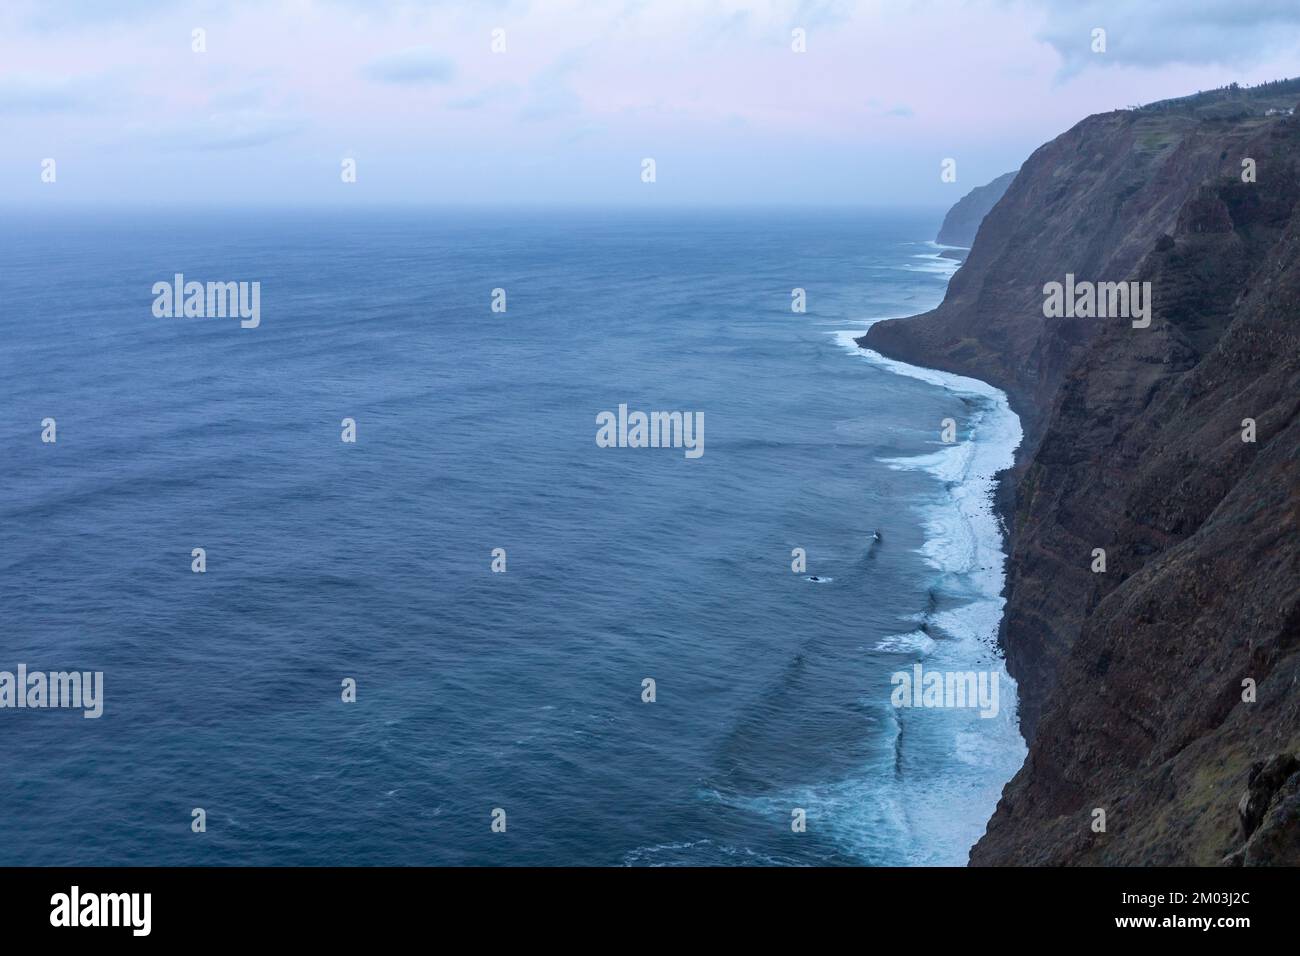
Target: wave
{"x": 924, "y": 795}
{"x": 952, "y": 764}
{"x": 702, "y": 852}
{"x": 913, "y": 642}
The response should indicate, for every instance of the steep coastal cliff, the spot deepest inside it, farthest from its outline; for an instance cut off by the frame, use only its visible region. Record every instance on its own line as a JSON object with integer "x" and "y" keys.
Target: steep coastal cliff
{"x": 1132, "y": 680}
{"x": 963, "y": 219}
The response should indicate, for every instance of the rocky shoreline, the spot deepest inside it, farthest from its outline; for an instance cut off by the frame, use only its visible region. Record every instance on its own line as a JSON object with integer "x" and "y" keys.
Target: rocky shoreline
{"x": 1160, "y": 693}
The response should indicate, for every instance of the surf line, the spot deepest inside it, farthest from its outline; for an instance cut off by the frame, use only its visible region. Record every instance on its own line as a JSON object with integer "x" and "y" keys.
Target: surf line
{"x": 965, "y": 542}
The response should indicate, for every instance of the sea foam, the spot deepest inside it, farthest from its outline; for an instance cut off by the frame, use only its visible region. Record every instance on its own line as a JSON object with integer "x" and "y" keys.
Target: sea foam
{"x": 946, "y": 808}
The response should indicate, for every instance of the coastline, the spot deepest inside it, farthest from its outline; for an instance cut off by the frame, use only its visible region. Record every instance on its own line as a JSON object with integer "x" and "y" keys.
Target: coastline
{"x": 967, "y": 546}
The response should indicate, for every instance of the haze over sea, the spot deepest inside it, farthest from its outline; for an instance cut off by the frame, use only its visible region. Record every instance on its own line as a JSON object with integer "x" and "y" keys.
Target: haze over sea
{"x": 476, "y": 430}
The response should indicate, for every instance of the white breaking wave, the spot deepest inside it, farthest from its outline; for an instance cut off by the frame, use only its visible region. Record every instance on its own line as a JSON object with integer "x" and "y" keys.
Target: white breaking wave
{"x": 927, "y": 797}
{"x": 946, "y": 807}
{"x": 913, "y": 642}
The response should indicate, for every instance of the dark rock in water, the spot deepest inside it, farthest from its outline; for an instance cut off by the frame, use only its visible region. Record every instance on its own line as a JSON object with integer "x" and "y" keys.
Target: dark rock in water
{"x": 1161, "y": 689}
{"x": 963, "y": 220}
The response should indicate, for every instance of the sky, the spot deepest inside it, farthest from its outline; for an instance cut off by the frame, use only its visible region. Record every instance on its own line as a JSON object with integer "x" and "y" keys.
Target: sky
{"x": 714, "y": 91}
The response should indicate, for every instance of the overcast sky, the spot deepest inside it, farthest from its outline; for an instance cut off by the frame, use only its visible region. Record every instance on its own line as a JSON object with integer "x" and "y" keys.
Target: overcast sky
{"x": 585, "y": 89}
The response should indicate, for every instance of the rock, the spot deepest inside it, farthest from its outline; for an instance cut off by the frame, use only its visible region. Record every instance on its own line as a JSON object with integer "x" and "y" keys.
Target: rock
{"x": 1266, "y": 778}
{"x": 963, "y": 220}
{"x": 1131, "y": 681}
{"x": 1277, "y": 841}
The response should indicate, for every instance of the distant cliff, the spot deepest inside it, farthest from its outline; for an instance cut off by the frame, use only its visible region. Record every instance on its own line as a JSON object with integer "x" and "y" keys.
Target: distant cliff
{"x": 963, "y": 220}
{"x": 1132, "y": 680}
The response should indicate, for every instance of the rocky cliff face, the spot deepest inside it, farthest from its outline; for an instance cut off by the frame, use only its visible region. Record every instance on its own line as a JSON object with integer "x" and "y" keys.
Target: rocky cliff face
{"x": 963, "y": 220}
{"x": 1164, "y": 691}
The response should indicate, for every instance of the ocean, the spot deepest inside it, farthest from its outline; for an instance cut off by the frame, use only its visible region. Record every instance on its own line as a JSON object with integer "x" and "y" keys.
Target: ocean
{"x": 485, "y": 697}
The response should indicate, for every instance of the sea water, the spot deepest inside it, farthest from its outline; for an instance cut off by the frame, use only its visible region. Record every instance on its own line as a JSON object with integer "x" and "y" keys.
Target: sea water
{"x": 329, "y": 561}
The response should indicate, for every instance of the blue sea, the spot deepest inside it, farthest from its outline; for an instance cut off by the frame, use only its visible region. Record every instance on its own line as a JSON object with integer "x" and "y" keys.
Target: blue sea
{"x": 479, "y": 691}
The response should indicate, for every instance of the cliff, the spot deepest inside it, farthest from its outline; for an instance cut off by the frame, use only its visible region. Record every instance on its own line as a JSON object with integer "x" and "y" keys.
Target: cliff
{"x": 963, "y": 219}
{"x": 1132, "y": 679}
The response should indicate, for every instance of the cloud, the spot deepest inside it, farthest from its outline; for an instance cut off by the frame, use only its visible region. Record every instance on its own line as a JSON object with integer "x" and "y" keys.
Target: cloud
{"x": 418, "y": 66}
{"x": 1156, "y": 33}
{"x": 240, "y": 98}
{"x": 484, "y": 98}
{"x": 241, "y": 129}
{"x": 818, "y": 13}
{"x": 551, "y": 102}
{"x": 221, "y": 131}
{"x": 549, "y": 92}
{"x": 583, "y": 133}
{"x": 900, "y": 110}
{"x": 82, "y": 15}
{"x": 36, "y": 94}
